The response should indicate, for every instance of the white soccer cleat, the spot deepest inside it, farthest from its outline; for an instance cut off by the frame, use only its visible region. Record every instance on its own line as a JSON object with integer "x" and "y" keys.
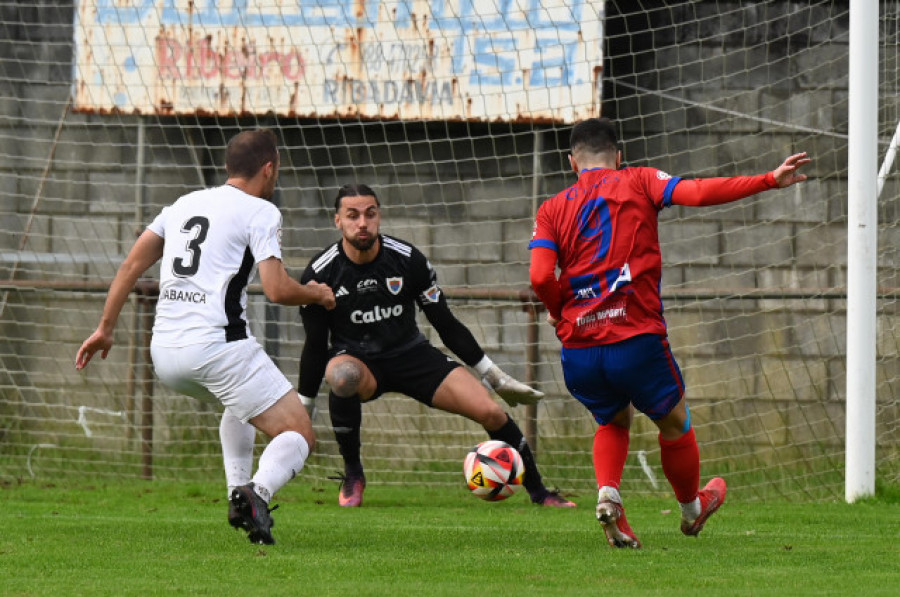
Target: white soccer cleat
{"x": 512, "y": 391}
{"x": 611, "y": 516}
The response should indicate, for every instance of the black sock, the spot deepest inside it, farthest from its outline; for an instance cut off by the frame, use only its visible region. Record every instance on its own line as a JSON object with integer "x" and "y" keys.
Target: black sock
{"x": 346, "y": 420}
{"x": 511, "y": 434}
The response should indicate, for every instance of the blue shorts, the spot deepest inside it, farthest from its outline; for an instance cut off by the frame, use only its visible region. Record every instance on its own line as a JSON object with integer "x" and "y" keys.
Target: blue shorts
{"x": 640, "y": 370}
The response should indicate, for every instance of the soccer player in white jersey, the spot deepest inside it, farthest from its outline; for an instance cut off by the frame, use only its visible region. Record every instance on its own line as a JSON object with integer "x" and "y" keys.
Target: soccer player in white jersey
{"x": 211, "y": 243}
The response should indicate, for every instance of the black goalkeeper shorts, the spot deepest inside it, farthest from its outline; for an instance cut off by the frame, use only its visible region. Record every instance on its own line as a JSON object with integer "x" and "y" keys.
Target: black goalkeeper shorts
{"x": 418, "y": 372}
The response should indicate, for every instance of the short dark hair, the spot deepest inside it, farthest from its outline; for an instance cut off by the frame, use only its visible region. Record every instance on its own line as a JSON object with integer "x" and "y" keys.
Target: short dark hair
{"x": 354, "y": 190}
{"x": 594, "y": 135}
{"x": 248, "y": 151}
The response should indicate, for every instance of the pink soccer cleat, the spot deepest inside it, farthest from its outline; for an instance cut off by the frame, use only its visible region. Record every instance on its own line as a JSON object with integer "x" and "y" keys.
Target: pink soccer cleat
{"x": 711, "y": 497}
{"x": 552, "y": 499}
{"x": 351, "y": 493}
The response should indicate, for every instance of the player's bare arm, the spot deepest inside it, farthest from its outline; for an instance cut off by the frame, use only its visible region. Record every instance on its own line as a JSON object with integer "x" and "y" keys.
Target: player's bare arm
{"x": 280, "y": 288}
{"x": 147, "y": 250}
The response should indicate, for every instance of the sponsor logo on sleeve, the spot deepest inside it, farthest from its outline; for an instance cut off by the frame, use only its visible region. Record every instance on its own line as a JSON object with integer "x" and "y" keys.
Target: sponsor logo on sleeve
{"x": 433, "y": 294}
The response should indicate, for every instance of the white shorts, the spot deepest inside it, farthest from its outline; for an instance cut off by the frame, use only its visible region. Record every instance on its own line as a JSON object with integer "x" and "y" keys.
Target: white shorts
{"x": 238, "y": 374}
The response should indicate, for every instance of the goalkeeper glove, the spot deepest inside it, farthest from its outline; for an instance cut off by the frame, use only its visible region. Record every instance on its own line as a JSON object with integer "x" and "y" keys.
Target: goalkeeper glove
{"x": 512, "y": 391}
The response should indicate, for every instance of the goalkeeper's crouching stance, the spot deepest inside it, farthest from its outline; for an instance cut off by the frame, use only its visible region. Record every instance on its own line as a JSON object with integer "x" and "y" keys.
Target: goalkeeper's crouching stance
{"x": 370, "y": 344}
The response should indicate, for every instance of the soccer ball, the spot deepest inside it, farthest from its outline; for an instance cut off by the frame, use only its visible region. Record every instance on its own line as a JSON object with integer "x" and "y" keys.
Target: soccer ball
{"x": 494, "y": 470}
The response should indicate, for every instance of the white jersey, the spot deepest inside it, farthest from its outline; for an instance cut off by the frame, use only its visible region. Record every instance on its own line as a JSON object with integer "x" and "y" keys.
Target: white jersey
{"x": 214, "y": 240}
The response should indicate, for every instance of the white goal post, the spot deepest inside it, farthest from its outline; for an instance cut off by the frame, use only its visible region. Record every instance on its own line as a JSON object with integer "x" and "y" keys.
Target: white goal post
{"x": 862, "y": 243}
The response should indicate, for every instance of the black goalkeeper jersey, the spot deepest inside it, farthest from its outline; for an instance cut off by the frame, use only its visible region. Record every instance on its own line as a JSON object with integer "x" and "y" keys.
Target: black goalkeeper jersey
{"x": 376, "y": 302}
{"x": 375, "y": 315}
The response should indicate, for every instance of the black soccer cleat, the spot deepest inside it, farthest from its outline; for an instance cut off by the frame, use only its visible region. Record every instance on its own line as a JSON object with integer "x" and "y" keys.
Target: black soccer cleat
{"x": 248, "y": 511}
{"x": 235, "y": 518}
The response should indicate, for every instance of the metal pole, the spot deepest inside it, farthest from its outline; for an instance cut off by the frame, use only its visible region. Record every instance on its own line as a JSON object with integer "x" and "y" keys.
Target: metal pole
{"x": 532, "y": 349}
{"x": 862, "y": 229}
{"x": 888, "y": 160}
{"x": 532, "y": 355}
{"x": 537, "y": 171}
{"x": 134, "y": 339}
{"x": 147, "y": 291}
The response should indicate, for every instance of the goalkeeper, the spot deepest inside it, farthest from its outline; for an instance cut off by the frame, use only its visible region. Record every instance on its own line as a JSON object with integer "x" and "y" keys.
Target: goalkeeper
{"x": 376, "y": 346}
{"x": 607, "y": 312}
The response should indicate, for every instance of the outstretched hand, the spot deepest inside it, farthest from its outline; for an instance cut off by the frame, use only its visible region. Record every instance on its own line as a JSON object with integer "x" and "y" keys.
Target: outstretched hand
{"x": 786, "y": 174}
{"x": 99, "y": 340}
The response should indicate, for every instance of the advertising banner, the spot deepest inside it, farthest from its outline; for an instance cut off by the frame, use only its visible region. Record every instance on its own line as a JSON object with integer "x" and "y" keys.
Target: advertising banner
{"x": 506, "y": 60}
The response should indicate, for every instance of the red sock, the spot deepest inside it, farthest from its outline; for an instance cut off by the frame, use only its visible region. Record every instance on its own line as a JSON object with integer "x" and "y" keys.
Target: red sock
{"x": 610, "y": 452}
{"x": 681, "y": 465}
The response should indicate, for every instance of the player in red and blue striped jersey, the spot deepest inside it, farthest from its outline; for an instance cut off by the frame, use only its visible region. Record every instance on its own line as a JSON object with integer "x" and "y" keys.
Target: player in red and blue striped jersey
{"x": 605, "y": 305}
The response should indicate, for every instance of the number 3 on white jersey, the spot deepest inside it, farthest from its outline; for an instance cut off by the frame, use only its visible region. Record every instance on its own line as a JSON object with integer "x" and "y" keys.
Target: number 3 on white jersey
{"x": 198, "y": 226}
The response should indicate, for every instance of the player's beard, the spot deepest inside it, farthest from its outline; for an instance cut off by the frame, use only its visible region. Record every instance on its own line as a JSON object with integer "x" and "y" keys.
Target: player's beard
{"x": 363, "y": 244}
{"x": 268, "y": 192}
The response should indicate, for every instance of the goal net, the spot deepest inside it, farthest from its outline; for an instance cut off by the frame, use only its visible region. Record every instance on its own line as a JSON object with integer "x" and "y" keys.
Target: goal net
{"x": 458, "y": 114}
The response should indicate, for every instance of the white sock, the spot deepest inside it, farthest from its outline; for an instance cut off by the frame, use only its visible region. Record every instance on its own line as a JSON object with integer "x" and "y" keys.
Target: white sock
{"x": 609, "y": 493}
{"x": 237, "y": 449}
{"x": 280, "y": 462}
{"x": 691, "y": 510}
{"x": 483, "y": 365}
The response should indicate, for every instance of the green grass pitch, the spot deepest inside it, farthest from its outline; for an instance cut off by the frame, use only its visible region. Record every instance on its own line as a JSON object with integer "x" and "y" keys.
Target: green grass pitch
{"x": 156, "y": 538}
